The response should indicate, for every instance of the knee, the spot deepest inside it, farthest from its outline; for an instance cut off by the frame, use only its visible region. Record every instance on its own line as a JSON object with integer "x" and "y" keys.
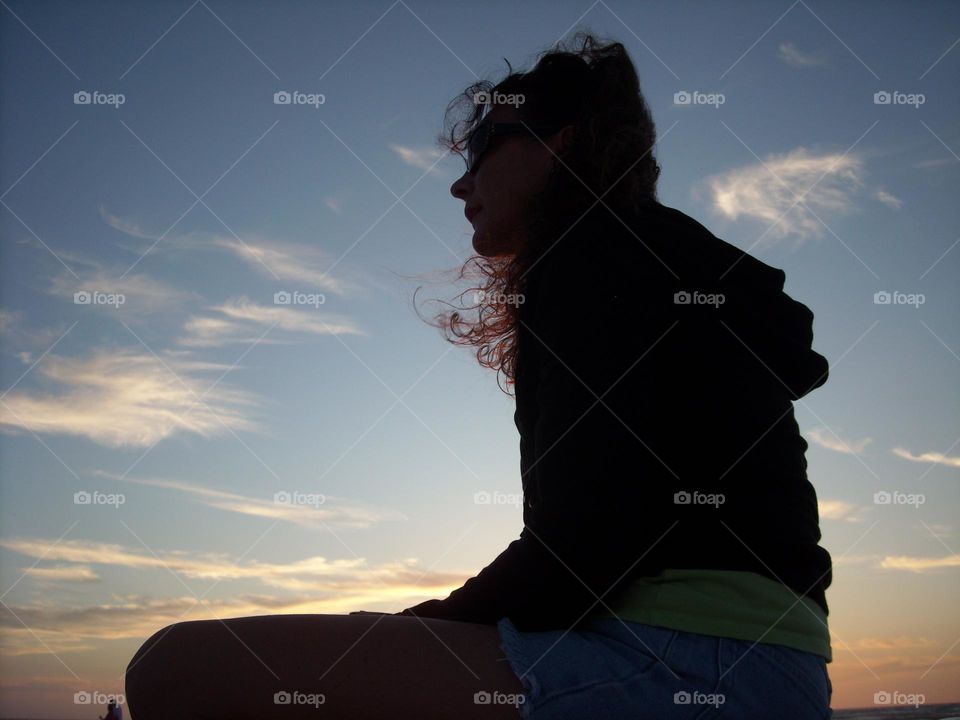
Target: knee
{"x": 149, "y": 673}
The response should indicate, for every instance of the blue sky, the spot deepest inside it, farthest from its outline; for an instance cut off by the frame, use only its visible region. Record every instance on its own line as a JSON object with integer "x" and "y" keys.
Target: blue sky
{"x": 199, "y": 397}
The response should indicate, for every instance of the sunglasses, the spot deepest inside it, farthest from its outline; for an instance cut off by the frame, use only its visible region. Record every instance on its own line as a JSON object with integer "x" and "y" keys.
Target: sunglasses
{"x": 480, "y": 138}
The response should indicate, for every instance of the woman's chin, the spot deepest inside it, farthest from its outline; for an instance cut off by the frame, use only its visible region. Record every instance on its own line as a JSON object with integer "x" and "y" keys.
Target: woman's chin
{"x": 484, "y": 244}
{"x": 481, "y": 244}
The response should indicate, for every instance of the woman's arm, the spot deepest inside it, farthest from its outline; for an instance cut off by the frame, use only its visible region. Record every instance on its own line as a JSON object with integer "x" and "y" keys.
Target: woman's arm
{"x": 599, "y": 494}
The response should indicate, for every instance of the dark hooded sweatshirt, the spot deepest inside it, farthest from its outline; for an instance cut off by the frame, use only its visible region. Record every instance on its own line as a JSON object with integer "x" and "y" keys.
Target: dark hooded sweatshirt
{"x": 657, "y": 369}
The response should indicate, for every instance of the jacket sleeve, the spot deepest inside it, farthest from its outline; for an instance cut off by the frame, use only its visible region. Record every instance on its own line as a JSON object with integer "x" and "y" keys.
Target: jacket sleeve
{"x": 594, "y": 484}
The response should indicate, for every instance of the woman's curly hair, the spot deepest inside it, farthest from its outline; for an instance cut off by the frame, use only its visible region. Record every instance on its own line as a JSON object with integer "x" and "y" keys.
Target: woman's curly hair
{"x": 593, "y": 86}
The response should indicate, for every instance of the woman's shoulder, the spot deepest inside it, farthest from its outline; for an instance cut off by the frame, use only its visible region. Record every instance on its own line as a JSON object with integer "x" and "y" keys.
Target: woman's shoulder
{"x": 653, "y": 243}
{"x": 608, "y": 253}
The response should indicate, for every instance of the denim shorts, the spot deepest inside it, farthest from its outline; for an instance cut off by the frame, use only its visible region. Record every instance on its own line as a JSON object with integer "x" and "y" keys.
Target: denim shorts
{"x": 618, "y": 669}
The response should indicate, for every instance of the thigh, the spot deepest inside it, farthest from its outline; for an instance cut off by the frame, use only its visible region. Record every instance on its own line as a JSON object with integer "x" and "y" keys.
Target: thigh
{"x": 311, "y": 666}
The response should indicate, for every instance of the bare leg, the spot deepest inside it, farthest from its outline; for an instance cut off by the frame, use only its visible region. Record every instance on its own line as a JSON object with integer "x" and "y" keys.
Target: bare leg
{"x": 344, "y": 666}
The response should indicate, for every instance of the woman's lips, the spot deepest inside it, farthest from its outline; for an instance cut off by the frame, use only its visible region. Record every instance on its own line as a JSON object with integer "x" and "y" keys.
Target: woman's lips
{"x": 471, "y": 212}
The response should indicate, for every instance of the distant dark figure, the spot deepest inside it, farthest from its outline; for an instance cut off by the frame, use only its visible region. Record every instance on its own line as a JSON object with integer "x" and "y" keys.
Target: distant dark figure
{"x": 669, "y": 564}
{"x": 114, "y": 711}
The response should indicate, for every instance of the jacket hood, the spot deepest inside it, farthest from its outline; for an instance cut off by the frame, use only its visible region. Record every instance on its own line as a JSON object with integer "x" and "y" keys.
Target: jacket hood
{"x": 777, "y": 329}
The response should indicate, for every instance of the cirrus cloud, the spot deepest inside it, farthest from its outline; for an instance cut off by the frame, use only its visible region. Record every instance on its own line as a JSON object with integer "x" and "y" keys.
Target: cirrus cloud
{"x": 239, "y": 320}
{"x": 927, "y": 457}
{"x": 920, "y": 564}
{"x": 824, "y": 437}
{"x": 791, "y": 55}
{"x": 128, "y": 398}
{"x": 334, "y": 510}
{"x": 789, "y": 192}
{"x": 838, "y": 510}
{"x": 422, "y": 158}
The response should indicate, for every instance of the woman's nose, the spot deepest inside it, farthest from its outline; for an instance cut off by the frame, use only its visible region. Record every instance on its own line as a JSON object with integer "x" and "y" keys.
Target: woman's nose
{"x": 462, "y": 186}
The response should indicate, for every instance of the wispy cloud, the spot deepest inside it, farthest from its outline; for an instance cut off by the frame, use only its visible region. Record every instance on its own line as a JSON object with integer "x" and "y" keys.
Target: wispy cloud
{"x": 850, "y": 560}
{"x": 289, "y": 263}
{"x": 8, "y": 320}
{"x": 73, "y": 628}
{"x": 888, "y": 199}
{"x": 205, "y": 332}
{"x": 928, "y": 457}
{"x": 767, "y": 191}
{"x": 901, "y": 662}
{"x": 127, "y": 398}
{"x": 894, "y": 643}
{"x": 824, "y": 438}
{"x": 318, "y": 584}
{"x": 64, "y": 573}
{"x": 422, "y": 158}
{"x": 791, "y": 55}
{"x": 329, "y": 509}
{"x": 135, "y": 296}
{"x": 77, "y": 628}
{"x": 22, "y": 641}
{"x": 138, "y": 295}
{"x": 920, "y": 564}
{"x": 128, "y": 227}
{"x": 286, "y": 318}
{"x": 839, "y": 510}
{"x": 313, "y": 573}
{"x": 935, "y": 162}
{"x": 306, "y": 265}
{"x": 240, "y": 320}
{"x": 24, "y": 340}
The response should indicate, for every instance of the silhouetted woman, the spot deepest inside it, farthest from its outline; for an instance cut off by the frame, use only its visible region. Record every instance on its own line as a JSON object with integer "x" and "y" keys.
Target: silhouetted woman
{"x": 669, "y": 564}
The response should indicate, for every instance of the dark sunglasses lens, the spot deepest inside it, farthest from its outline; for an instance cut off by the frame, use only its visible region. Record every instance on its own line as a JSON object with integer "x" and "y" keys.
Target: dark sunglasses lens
{"x": 477, "y": 144}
